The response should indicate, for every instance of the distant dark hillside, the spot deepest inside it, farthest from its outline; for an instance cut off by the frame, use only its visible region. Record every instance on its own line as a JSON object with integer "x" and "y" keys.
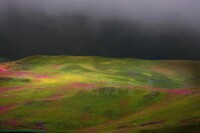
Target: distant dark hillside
{"x": 3, "y": 60}
{"x": 29, "y": 33}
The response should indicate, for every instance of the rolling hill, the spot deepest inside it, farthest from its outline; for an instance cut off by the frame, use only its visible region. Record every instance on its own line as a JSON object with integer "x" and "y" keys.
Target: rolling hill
{"x": 98, "y": 94}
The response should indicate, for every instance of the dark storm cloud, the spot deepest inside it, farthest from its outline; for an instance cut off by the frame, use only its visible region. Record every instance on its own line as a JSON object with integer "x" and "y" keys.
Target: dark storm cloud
{"x": 148, "y": 11}
{"x": 158, "y": 29}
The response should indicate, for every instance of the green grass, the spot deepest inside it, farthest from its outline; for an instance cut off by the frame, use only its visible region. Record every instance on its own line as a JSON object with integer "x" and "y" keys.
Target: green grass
{"x": 82, "y": 93}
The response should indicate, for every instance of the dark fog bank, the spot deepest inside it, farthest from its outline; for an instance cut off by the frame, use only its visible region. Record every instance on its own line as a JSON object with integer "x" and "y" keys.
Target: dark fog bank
{"x": 148, "y": 29}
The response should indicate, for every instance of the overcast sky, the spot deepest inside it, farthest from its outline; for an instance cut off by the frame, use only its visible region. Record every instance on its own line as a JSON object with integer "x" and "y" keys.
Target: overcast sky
{"x": 149, "y": 11}
{"x": 157, "y": 14}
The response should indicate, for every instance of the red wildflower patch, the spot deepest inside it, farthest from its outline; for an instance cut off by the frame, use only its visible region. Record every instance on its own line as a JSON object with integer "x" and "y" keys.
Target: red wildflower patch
{"x": 7, "y": 89}
{"x": 5, "y": 108}
{"x": 5, "y": 72}
{"x": 22, "y": 73}
{"x": 55, "y": 97}
{"x": 12, "y": 122}
{"x": 181, "y": 91}
{"x": 153, "y": 123}
{"x": 43, "y": 76}
{"x": 84, "y": 85}
{"x": 2, "y": 69}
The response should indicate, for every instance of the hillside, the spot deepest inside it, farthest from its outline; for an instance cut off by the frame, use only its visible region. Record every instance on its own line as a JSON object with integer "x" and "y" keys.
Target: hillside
{"x": 3, "y": 60}
{"x": 97, "y": 94}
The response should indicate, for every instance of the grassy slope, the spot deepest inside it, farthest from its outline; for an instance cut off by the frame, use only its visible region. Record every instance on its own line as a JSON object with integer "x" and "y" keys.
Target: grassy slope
{"x": 85, "y": 94}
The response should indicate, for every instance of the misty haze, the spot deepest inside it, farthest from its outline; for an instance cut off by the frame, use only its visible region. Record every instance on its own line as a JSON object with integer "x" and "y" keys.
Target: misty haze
{"x": 154, "y": 29}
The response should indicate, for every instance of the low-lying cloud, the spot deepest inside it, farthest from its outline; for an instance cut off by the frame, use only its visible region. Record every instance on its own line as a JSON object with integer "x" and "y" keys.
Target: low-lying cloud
{"x": 117, "y": 28}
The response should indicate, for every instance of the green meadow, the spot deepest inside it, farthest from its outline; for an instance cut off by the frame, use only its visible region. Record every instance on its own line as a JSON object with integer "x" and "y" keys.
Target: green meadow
{"x": 96, "y": 94}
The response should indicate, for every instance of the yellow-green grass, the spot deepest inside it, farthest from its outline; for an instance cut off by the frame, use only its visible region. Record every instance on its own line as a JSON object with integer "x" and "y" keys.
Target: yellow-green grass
{"x": 87, "y": 93}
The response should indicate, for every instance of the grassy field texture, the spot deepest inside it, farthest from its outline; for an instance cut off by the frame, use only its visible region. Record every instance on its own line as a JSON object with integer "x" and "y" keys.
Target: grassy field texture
{"x": 96, "y": 94}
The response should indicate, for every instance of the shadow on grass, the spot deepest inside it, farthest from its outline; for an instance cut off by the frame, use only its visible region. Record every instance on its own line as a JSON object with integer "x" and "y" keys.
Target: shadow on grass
{"x": 22, "y": 131}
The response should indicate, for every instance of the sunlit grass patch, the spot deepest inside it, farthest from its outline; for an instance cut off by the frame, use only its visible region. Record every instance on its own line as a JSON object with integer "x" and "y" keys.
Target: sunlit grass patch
{"x": 68, "y": 93}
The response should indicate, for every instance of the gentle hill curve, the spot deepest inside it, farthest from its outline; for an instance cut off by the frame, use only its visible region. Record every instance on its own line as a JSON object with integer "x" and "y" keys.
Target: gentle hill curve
{"x": 89, "y": 93}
